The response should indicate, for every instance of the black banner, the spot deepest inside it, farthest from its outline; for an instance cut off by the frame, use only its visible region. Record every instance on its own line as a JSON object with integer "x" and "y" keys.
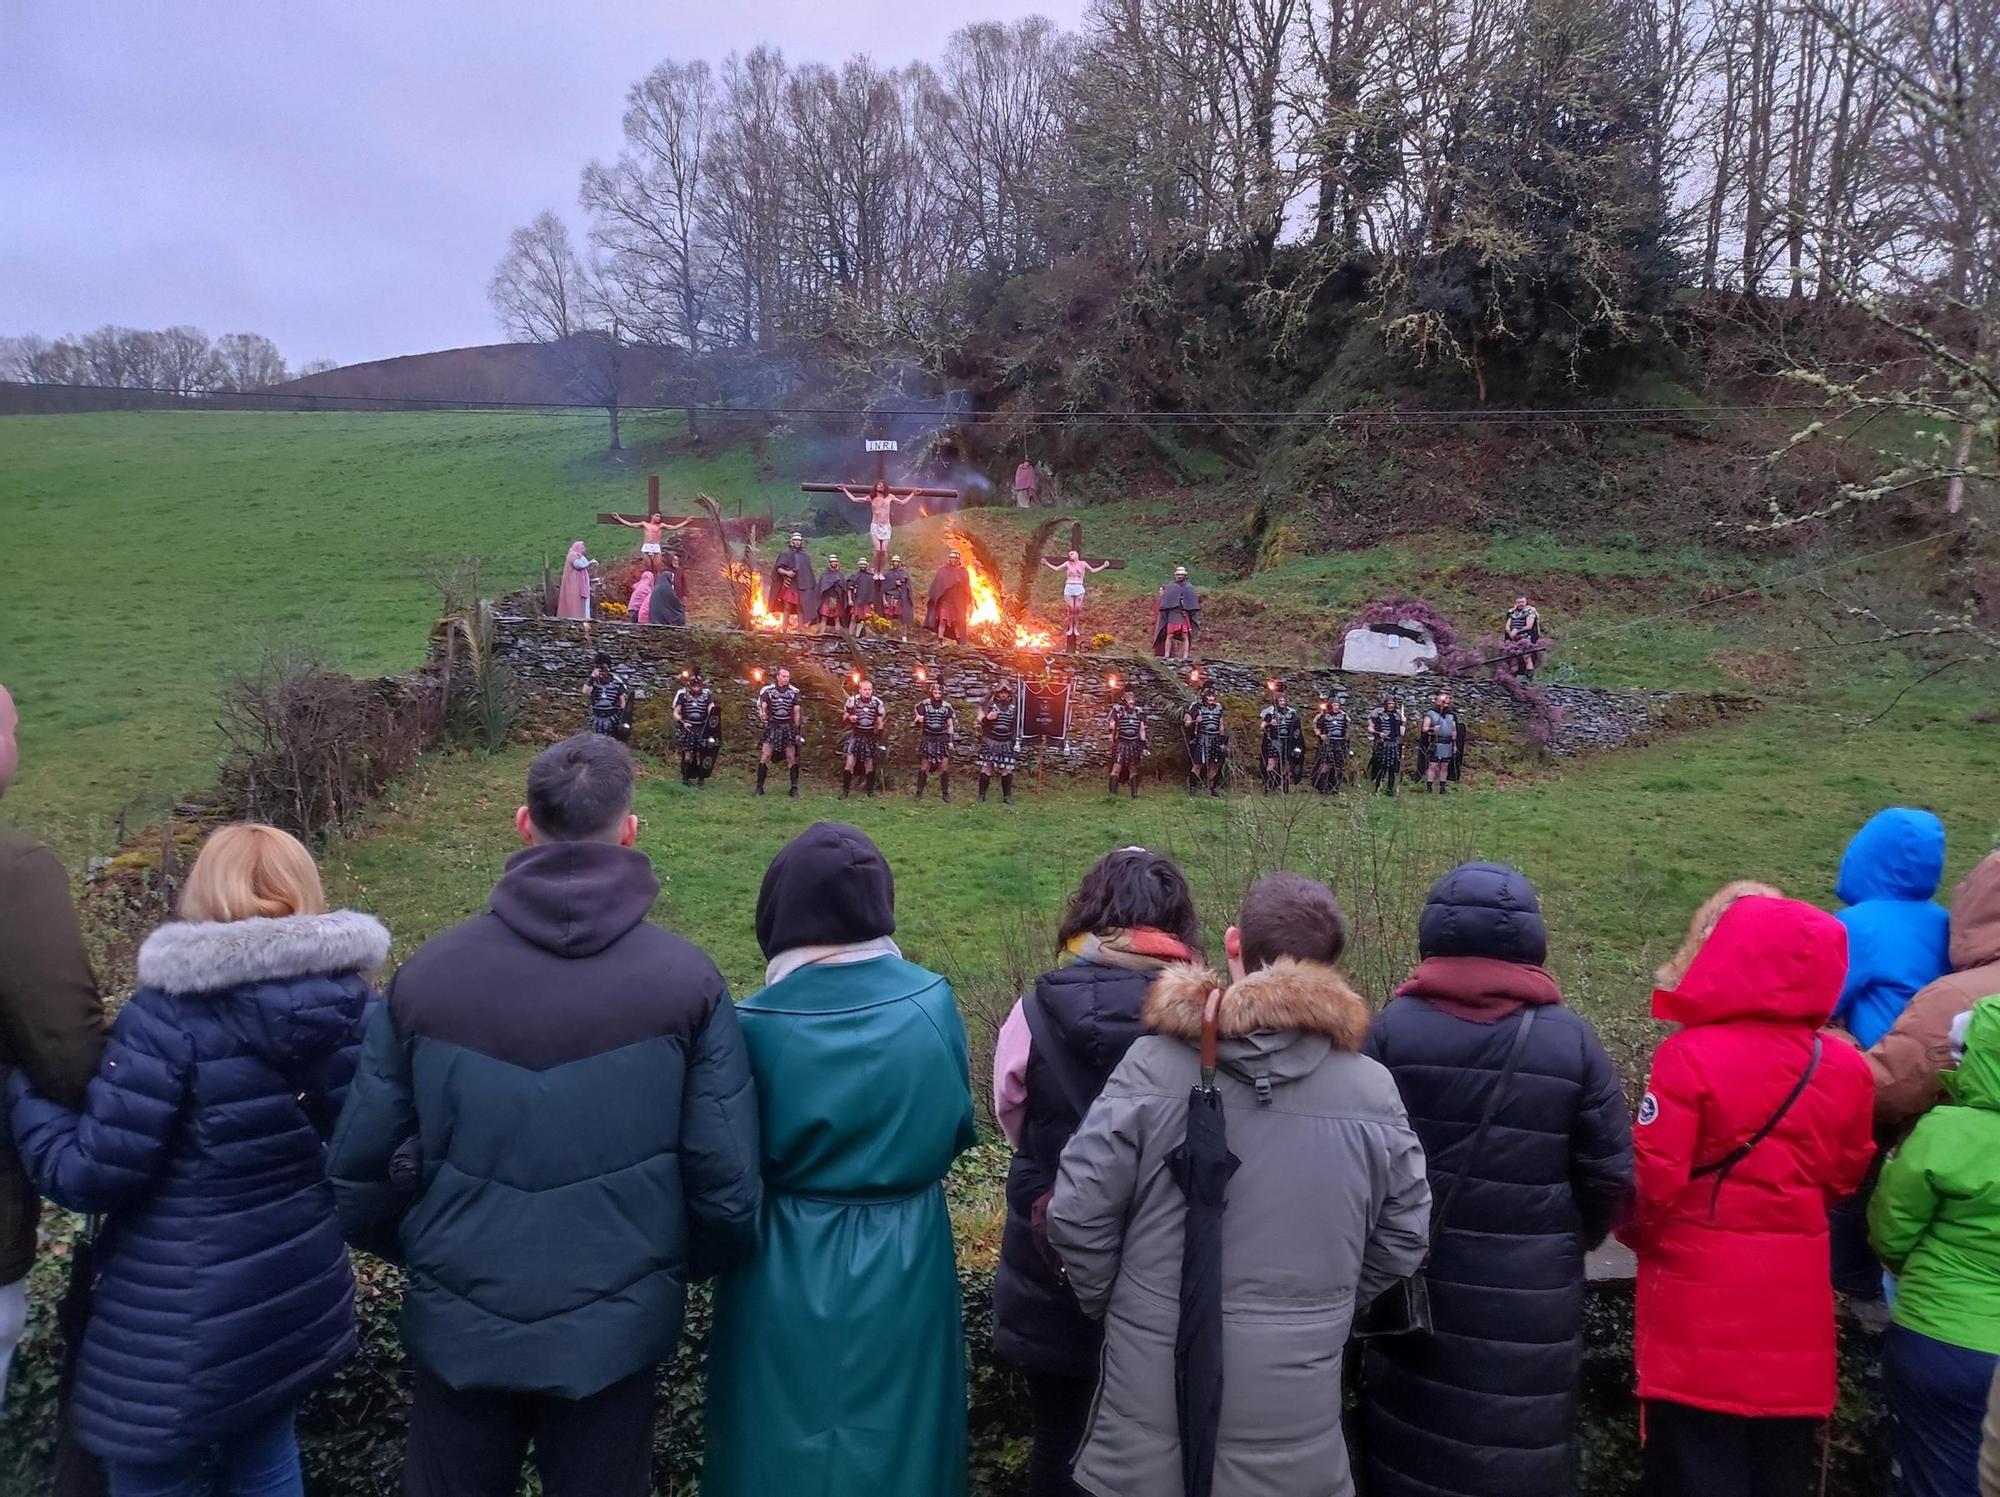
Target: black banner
{"x": 1045, "y": 713}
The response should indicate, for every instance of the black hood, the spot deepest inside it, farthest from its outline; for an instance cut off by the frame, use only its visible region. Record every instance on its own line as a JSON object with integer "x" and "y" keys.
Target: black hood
{"x": 828, "y": 886}
{"x": 575, "y": 898}
{"x": 1484, "y": 909}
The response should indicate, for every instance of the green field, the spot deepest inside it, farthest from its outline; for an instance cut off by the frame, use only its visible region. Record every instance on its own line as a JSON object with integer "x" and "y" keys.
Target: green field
{"x": 171, "y": 548}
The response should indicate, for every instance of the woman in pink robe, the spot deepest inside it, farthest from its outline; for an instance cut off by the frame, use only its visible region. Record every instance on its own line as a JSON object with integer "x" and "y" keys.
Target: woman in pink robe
{"x": 573, "y": 592}
{"x": 642, "y": 593}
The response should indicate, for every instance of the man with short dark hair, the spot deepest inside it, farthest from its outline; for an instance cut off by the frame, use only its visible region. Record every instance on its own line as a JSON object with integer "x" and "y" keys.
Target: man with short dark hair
{"x": 569, "y": 1089}
{"x": 51, "y": 1025}
{"x": 608, "y": 695}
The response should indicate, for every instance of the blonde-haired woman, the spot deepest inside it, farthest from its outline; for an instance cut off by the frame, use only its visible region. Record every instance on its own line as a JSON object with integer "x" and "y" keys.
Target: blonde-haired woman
{"x": 223, "y": 1293}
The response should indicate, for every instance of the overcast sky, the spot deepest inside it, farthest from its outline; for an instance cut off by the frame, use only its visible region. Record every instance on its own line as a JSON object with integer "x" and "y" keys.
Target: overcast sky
{"x": 342, "y": 174}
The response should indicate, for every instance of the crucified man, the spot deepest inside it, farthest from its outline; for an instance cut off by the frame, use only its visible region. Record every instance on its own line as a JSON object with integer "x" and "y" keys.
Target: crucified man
{"x": 651, "y": 527}
{"x": 881, "y": 504}
{"x": 1074, "y": 571}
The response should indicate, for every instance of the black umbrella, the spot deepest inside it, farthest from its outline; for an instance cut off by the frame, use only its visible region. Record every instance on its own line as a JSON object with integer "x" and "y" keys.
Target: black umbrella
{"x": 1201, "y": 1167}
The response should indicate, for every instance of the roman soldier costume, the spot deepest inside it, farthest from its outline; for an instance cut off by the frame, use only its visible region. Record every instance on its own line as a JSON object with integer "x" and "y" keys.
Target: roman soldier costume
{"x": 778, "y": 709}
{"x": 1284, "y": 745}
{"x": 792, "y": 589}
{"x": 935, "y": 721}
{"x": 999, "y": 752}
{"x": 1208, "y": 743}
{"x": 833, "y": 597}
{"x": 866, "y": 715}
{"x": 1330, "y": 731}
{"x": 1176, "y": 615}
{"x": 894, "y": 598}
{"x": 696, "y": 723}
{"x": 609, "y": 697}
{"x": 950, "y": 600}
{"x": 1128, "y": 744}
{"x": 1385, "y": 737}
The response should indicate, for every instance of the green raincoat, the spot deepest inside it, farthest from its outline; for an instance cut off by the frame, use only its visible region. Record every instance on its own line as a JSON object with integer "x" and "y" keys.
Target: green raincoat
{"x": 1935, "y": 1219}
{"x": 836, "y": 1367}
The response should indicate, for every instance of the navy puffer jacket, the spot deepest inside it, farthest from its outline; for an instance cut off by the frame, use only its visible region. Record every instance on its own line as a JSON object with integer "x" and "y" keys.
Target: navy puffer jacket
{"x": 1485, "y": 1406}
{"x": 223, "y": 1293}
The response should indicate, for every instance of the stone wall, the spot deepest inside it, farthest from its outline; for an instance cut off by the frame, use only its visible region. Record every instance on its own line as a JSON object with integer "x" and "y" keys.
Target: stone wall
{"x": 552, "y": 658}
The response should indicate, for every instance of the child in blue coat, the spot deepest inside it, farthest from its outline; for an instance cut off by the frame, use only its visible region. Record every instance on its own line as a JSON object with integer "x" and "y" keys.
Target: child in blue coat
{"x": 1897, "y": 934}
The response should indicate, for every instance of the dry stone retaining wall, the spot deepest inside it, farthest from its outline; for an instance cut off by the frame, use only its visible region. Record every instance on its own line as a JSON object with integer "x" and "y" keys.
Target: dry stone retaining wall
{"x": 552, "y": 657}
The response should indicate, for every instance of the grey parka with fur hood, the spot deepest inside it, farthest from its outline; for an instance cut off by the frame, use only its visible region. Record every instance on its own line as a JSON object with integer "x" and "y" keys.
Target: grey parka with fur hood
{"x": 1329, "y": 1206}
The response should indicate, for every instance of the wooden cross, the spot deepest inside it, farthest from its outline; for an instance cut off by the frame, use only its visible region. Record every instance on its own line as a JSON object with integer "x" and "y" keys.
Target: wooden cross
{"x": 881, "y": 447}
{"x": 757, "y": 524}
{"x": 1116, "y": 563}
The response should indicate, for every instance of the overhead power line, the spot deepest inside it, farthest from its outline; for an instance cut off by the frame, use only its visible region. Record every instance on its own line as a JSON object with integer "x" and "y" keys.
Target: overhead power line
{"x": 1360, "y": 415}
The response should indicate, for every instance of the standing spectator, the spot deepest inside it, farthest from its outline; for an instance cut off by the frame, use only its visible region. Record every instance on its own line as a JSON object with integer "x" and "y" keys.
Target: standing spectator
{"x": 1753, "y": 1124}
{"x": 51, "y": 1025}
{"x": 837, "y": 1361}
{"x": 1935, "y": 1220}
{"x": 1897, "y": 940}
{"x": 553, "y": 1129}
{"x": 1026, "y": 482}
{"x": 1327, "y": 1208}
{"x": 1131, "y": 916}
{"x": 223, "y": 1294}
{"x": 573, "y": 589}
{"x": 1908, "y": 1060}
{"x": 1486, "y": 1407}
{"x": 1898, "y": 936}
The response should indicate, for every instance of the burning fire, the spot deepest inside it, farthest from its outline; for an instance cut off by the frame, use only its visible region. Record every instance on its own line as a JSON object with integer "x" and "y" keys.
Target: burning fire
{"x": 988, "y": 617}
{"x": 740, "y": 574}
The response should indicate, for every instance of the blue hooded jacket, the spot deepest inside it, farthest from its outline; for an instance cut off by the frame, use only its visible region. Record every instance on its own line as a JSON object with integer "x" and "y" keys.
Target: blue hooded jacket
{"x": 223, "y": 1292}
{"x": 1897, "y": 937}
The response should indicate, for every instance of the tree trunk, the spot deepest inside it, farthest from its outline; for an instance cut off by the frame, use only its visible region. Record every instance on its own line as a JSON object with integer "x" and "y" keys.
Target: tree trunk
{"x": 612, "y": 412}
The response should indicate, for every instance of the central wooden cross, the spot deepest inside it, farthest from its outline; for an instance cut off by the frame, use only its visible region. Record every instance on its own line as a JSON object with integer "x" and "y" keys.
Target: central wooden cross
{"x": 881, "y": 447}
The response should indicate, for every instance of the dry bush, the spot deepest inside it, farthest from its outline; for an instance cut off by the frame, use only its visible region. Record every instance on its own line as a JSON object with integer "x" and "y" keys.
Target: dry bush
{"x": 309, "y": 748}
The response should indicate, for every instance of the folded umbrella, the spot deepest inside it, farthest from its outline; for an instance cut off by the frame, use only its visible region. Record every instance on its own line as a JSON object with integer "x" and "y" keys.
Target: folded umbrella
{"x": 1201, "y": 1166}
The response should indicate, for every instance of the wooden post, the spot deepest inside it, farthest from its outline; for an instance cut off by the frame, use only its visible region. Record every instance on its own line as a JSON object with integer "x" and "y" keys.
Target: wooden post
{"x": 652, "y": 493}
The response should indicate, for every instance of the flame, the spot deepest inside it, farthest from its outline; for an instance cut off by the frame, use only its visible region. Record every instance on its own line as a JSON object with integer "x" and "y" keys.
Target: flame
{"x": 988, "y": 619}
{"x": 741, "y": 573}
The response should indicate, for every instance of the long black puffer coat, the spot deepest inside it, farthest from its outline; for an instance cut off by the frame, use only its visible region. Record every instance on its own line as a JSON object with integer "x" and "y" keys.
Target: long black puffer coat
{"x": 1485, "y": 1406}
{"x": 1093, "y": 1010}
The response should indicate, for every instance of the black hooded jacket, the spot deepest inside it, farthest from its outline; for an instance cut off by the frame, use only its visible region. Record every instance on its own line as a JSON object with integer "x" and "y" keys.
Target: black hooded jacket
{"x": 1485, "y": 1406}
{"x": 588, "y": 1128}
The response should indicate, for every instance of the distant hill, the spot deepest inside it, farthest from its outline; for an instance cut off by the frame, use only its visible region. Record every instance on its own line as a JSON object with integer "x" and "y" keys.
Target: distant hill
{"x": 511, "y": 373}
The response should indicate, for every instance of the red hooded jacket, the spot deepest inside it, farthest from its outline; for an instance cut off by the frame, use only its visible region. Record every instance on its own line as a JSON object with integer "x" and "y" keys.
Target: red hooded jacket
{"x": 1735, "y": 1305}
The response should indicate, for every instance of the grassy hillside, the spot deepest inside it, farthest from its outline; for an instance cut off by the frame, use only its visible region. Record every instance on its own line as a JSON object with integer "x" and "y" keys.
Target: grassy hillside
{"x": 151, "y": 553}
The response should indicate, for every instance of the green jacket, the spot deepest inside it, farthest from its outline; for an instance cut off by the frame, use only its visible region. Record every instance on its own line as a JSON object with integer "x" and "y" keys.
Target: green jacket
{"x": 1935, "y": 1219}
{"x": 51, "y": 1022}
{"x": 837, "y": 1361}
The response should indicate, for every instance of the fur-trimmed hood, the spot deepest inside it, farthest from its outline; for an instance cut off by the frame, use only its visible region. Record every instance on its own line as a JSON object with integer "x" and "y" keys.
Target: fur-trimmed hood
{"x": 206, "y": 956}
{"x": 1287, "y": 997}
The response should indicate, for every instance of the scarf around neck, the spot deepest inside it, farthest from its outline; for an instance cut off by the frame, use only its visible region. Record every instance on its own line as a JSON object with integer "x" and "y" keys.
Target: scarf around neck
{"x": 1139, "y": 949}
{"x": 1483, "y": 989}
{"x": 785, "y": 963}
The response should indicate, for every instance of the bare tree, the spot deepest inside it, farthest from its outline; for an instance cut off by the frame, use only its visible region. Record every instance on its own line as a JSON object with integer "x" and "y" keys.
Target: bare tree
{"x": 250, "y": 361}
{"x": 188, "y": 362}
{"x": 646, "y": 206}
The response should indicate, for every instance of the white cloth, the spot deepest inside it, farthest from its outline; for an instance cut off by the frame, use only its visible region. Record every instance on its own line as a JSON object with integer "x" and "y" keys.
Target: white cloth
{"x": 785, "y": 963}
{"x": 650, "y": 548}
{"x": 13, "y": 1325}
{"x": 879, "y": 532}
{"x": 1072, "y": 589}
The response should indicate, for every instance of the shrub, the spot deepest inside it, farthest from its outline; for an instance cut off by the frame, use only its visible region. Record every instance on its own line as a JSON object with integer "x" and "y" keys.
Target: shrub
{"x": 309, "y": 748}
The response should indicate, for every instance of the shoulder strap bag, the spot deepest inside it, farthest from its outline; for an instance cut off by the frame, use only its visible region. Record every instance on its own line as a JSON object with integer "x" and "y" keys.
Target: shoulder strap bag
{"x": 1720, "y": 1168}
{"x": 1404, "y": 1308}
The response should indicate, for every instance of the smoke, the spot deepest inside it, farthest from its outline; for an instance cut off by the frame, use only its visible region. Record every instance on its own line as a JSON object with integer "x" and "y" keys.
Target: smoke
{"x": 933, "y": 437}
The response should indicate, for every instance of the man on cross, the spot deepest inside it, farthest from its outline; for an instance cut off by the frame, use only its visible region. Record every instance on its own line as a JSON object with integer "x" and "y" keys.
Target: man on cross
{"x": 651, "y": 528}
{"x": 881, "y": 504}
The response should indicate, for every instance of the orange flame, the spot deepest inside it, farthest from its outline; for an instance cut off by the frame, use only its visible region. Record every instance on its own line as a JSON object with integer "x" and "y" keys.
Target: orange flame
{"x": 988, "y": 619}
{"x": 740, "y": 574}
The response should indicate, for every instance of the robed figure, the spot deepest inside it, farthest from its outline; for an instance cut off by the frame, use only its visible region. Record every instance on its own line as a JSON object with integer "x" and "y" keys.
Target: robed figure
{"x": 1176, "y": 615}
{"x": 950, "y": 600}
{"x": 895, "y": 599}
{"x": 792, "y": 588}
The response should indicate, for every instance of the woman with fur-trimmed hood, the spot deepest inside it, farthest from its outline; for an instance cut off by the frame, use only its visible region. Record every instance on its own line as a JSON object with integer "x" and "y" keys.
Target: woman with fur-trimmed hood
{"x": 1329, "y": 1206}
{"x": 223, "y": 1294}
